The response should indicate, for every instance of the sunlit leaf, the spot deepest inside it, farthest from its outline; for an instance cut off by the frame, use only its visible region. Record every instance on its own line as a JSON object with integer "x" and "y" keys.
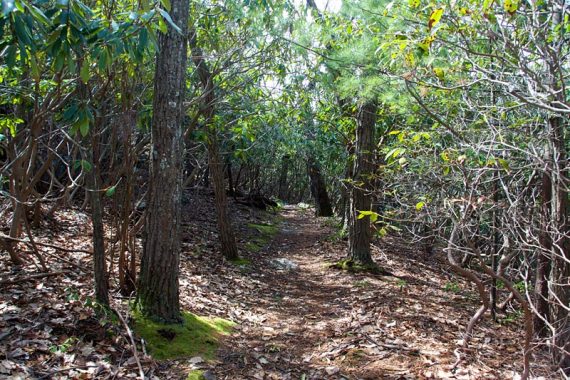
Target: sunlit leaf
{"x": 111, "y": 191}
{"x": 168, "y": 19}
{"x": 166, "y": 5}
{"x": 426, "y": 43}
{"x": 440, "y": 73}
{"x": 511, "y": 6}
{"x": 435, "y": 17}
{"x": 84, "y": 72}
{"x": 414, "y": 3}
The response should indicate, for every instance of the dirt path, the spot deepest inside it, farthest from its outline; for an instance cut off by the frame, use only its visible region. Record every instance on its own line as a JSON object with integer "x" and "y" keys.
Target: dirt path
{"x": 312, "y": 322}
{"x": 306, "y": 322}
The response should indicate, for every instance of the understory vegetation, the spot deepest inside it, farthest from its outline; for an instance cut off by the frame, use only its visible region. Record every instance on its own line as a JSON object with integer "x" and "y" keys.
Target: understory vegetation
{"x": 284, "y": 189}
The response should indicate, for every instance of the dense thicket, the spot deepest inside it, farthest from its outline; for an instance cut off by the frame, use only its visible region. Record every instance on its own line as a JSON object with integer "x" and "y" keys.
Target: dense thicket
{"x": 445, "y": 122}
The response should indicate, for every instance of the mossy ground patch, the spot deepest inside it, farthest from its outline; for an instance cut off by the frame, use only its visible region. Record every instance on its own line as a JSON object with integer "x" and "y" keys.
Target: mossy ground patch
{"x": 265, "y": 232}
{"x": 196, "y": 375}
{"x": 196, "y": 336}
{"x": 240, "y": 261}
{"x": 264, "y": 229}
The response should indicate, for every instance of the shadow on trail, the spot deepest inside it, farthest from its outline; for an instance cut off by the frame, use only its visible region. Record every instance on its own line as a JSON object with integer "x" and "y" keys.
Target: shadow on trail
{"x": 313, "y": 322}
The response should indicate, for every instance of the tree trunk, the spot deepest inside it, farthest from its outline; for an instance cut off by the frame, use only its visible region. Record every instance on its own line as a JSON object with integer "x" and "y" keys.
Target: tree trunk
{"x": 543, "y": 266}
{"x": 158, "y": 282}
{"x": 560, "y": 273}
{"x": 318, "y": 189}
{"x": 99, "y": 265}
{"x": 227, "y": 238}
{"x": 282, "y": 190}
{"x": 231, "y": 184}
{"x": 345, "y": 190}
{"x": 359, "y": 234}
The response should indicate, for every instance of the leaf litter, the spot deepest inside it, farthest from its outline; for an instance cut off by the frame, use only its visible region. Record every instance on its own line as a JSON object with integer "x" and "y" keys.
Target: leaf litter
{"x": 305, "y": 321}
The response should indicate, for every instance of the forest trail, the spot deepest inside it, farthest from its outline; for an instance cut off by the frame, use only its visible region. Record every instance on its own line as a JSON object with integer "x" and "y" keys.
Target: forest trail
{"x": 306, "y": 322}
{"x": 313, "y": 322}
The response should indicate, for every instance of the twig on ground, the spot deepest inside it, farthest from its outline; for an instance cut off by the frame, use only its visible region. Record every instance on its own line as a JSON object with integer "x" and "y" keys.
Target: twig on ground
{"x": 50, "y": 374}
{"x": 391, "y": 346}
{"x": 31, "y": 277}
{"x": 133, "y": 343}
{"x": 3, "y": 236}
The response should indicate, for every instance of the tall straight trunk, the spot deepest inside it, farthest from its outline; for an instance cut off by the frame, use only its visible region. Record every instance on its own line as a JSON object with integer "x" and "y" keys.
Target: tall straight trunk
{"x": 158, "y": 282}
{"x": 318, "y": 189}
{"x": 93, "y": 154}
{"x": 231, "y": 184}
{"x": 560, "y": 207}
{"x": 560, "y": 273}
{"x": 215, "y": 164}
{"x": 496, "y": 247}
{"x": 283, "y": 188}
{"x": 226, "y": 233}
{"x": 543, "y": 265}
{"x": 359, "y": 233}
{"x": 345, "y": 191}
{"x": 99, "y": 264}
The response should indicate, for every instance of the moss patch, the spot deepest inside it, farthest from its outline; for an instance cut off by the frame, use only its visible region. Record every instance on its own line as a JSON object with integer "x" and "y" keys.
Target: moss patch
{"x": 195, "y": 336}
{"x": 240, "y": 261}
{"x": 352, "y": 266}
{"x": 265, "y": 229}
{"x": 362, "y": 284}
{"x": 253, "y": 246}
{"x": 196, "y": 375}
{"x": 266, "y": 232}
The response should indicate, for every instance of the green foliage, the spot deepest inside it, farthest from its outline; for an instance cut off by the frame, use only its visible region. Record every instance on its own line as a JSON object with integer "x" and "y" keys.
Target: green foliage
{"x": 339, "y": 234}
{"x": 452, "y": 287}
{"x": 268, "y": 230}
{"x": 195, "y": 336}
{"x": 511, "y": 318}
{"x": 64, "y": 346}
{"x": 401, "y": 283}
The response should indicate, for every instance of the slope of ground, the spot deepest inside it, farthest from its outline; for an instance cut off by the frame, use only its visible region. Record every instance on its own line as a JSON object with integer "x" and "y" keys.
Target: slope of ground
{"x": 297, "y": 319}
{"x": 313, "y": 322}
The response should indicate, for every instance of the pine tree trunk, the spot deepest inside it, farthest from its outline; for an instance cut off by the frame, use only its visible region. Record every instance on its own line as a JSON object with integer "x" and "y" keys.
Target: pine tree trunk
{"x": 359, "y": 234}
{"x": 318, "y": 189}
{"x": 345, "y": 190}
{"x": 158, "y": 282}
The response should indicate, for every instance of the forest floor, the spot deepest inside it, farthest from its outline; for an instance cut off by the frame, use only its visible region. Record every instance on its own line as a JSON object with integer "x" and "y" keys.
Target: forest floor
{"x": 296, "y": 318}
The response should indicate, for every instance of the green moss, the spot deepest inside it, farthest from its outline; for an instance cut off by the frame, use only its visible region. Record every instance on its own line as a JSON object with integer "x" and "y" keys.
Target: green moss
{"x": 352, "y": 266}
{"x": 265, "y": 229}
{"x": 195, "y": 336}
{"x": 253, "y": 246}
{"x": 240, "y": 261}
{"x": 266, "y": 233}
{"x": 362, "y": 284}
{"x": 196, "y": 375}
